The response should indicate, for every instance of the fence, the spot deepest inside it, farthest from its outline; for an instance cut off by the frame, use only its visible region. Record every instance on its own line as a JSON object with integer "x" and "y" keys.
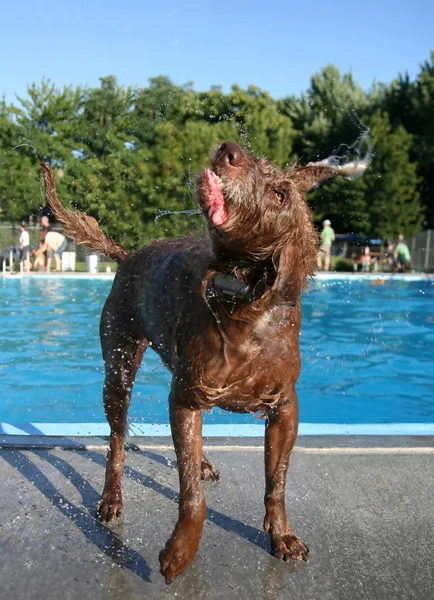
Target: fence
{"x": 421, "y": 246}
{"x": 422, "y": 251}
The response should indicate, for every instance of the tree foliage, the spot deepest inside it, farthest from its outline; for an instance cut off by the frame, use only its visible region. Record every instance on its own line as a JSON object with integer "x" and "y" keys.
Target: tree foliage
{"x": 126, "y": 155}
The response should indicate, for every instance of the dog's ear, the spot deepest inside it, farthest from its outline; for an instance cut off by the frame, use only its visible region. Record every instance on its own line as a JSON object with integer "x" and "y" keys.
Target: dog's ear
{"x": 290, "y": 273}
{"x": 314, "y": 173}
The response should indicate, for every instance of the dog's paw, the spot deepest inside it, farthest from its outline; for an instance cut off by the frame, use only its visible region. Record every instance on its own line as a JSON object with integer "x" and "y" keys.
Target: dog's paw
{"x": 109, "y": 508}
{"x": 208, "y": 472}
{"x": 288, "y": 546}
{"x": 175, "y": 558}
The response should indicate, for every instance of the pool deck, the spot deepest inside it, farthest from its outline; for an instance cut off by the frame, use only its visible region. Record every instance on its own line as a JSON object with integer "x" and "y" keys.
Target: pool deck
{"x": 363, "y": 504}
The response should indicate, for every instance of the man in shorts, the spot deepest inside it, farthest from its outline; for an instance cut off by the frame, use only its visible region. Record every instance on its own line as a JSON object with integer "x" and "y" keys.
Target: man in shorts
{"x": 54, "y": 245}
{"x": 327, "y": 237}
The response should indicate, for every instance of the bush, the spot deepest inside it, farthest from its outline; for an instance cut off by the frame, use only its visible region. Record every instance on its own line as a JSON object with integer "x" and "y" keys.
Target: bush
{"x": 341, "y": 264}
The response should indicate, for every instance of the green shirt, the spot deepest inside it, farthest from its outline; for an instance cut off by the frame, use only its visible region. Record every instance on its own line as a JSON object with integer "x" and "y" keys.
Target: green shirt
{"x": 403, "y": 252}
{"x": 327, "y": 235}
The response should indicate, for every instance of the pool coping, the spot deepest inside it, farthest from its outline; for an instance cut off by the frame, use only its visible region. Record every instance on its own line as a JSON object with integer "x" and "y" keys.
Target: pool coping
{"x": 345, "y": 275}
{"x": 321, "y": 276}
{"x": 152, "y": 430}
{"x": 328, "y": 444}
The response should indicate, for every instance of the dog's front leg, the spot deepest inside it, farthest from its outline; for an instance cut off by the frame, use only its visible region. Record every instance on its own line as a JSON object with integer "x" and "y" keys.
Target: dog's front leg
{"x": 181, "y": 548}
{"x": 280, "y": 433}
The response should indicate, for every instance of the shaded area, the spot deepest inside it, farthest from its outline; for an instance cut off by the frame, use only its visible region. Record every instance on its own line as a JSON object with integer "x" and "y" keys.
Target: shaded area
{"x": 105, "y": 539}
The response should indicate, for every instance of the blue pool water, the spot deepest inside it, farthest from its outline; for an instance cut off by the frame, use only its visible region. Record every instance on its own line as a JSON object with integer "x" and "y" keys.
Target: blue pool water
{"x": 367, "y": 355}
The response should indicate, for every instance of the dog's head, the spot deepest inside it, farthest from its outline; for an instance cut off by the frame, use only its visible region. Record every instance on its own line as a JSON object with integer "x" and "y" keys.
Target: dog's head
{"x": 256, "y": 210}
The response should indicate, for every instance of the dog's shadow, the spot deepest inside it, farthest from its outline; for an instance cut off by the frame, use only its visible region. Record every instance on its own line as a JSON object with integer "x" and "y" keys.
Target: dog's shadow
{"x": 104, "y": 538}
{"x": 229, "y": 524}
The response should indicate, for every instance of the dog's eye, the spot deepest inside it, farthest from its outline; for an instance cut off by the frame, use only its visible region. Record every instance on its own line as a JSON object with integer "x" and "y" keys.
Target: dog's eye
{"x": 280, "y": 197}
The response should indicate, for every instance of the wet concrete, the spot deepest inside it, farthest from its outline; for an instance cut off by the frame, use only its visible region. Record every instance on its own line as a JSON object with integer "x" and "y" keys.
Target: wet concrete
{"x": 364, "y": 507}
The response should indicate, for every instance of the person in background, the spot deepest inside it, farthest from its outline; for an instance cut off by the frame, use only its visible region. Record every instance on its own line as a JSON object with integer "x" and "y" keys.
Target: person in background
{"x": 54, "y": 244}
{"x": 402, "y": 254}
{"x": 41, "y": 253}
{"x": 45, "y": 227}
{"x": 366, "y": 259}
{"x": 390, "y": 256}
{"x": 327, "y": 238}
{"x": 25, "y": 247}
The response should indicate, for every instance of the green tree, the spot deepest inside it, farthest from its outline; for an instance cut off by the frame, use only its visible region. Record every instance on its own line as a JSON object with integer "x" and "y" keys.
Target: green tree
{"x": 423, "y": 132}
{"x": 46, "y": 119}
{"x": 323, "y": 117}
{"x": 411, "y": 104}
{"x": 391, "y": 184}
{"x": 19, "y": 193}
{"x": 124, "y": 155}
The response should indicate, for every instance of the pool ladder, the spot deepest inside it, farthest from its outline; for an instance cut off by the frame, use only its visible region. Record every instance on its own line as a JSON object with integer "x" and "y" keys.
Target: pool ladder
{"x": 10, "y": 268}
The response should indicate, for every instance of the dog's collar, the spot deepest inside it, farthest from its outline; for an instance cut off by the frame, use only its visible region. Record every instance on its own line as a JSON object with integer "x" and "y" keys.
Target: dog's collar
{"x": 229, "y": 288}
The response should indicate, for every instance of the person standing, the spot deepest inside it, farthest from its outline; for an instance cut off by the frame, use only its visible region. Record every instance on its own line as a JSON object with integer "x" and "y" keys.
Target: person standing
{"x": 327, "y": 238}
{"x": 54, "y": 245}
{"x": 25, "y": 247}
{"x": 402, "y": 254}
{"x": 45, "y": 227}
{"x": 366, "y": 259}
{"x": 390, "y": 256}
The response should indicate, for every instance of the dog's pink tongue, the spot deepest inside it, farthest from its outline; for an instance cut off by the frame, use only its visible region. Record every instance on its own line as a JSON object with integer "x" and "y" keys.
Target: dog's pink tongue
{"x": 215, "y": 203}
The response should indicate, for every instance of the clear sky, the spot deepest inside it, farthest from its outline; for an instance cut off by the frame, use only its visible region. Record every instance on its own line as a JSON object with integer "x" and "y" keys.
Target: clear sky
{"x": 274, "y": 44}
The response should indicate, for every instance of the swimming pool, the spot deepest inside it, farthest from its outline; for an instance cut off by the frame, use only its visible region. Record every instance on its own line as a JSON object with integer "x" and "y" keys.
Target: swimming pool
{"x": 367, "y": 359}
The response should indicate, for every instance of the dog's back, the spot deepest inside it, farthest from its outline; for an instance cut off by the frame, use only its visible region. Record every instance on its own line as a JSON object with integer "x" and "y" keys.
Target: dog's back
{"x": 157, "y": 294}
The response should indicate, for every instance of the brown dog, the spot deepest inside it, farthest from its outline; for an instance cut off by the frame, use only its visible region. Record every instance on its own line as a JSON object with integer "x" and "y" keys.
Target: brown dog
{"x": 225, "y": 317}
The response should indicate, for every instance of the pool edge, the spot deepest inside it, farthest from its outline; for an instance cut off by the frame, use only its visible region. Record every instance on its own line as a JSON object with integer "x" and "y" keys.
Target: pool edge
{"x": 86, "y": 430}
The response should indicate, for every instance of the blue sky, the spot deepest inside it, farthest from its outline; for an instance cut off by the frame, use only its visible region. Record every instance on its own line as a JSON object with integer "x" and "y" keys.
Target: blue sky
{"x": 274, "y": 44}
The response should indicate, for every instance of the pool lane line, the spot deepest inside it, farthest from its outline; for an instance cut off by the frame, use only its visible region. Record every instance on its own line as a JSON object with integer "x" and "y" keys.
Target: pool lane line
{"x": 209, "y": 430}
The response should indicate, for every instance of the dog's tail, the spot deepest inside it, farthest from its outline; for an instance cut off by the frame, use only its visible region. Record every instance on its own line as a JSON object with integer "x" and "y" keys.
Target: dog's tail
{"x": 80, "y": 227}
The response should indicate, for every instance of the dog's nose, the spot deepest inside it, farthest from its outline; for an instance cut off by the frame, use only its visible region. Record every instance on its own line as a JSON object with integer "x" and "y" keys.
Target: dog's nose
{"x": 231, "y": 154}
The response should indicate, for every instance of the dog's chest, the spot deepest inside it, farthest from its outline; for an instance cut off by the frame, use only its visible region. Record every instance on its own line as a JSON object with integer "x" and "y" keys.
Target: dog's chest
{"x": 250, "y": 370}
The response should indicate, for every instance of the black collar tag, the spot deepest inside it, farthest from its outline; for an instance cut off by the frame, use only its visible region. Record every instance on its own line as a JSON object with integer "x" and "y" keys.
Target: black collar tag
{"x": 230, "y": 287}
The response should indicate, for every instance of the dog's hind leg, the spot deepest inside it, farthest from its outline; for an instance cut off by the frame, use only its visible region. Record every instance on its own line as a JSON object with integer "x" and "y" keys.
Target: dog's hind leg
{"x": 280, "y": 433}
{"x": 122, "y": 359}
{"x": 208, "y": 472}
{"x": 181, "y": 548}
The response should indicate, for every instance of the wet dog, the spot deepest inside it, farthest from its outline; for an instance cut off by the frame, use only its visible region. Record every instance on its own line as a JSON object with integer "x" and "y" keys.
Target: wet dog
{"x": 224, "y": 315}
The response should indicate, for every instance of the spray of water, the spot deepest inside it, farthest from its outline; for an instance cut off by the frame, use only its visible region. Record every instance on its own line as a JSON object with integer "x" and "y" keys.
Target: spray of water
{"x": 163, "y": 213}
{"x": 360, "y": 152}
{"x": 25, "y": 145}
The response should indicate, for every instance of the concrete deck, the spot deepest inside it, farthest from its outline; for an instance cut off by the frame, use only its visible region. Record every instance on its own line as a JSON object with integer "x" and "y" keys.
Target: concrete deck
{"x": 363, "y": 505}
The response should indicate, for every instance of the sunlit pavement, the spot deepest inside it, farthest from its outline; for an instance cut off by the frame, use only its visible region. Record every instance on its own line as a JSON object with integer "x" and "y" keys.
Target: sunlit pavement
{"x": 364, "y": 506}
